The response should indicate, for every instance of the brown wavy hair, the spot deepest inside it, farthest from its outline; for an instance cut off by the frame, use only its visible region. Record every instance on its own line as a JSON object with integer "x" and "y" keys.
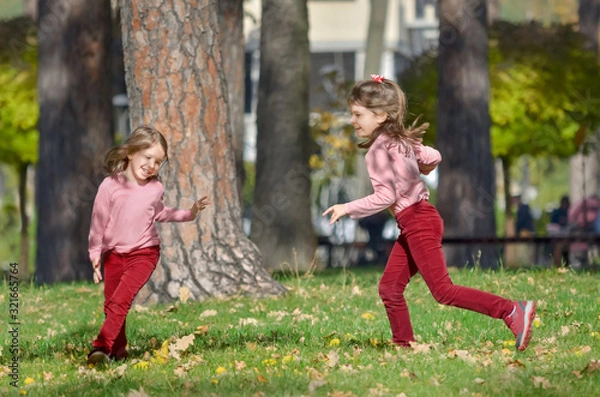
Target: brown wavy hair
{"x": 142, "y": 138}
{"x": 386, "y": 97}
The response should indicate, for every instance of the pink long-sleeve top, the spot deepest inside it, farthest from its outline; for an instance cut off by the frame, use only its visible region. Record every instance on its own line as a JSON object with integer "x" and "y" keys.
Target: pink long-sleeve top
{"x": 124, "y": 216}
{"x": 395, "y": 171}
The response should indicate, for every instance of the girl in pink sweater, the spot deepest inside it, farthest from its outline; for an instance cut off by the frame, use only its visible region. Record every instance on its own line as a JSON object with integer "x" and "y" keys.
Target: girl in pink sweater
{"x": 395, "y": 159}
{"x": 123, "y": 234}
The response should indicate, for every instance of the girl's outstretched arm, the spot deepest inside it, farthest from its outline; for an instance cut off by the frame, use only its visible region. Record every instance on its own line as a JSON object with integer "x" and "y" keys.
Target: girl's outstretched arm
{"x": 199, "y": 205}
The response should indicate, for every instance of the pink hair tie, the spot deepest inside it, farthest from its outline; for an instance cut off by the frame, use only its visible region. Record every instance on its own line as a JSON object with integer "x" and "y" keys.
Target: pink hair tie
{"x": 378, "y": 78}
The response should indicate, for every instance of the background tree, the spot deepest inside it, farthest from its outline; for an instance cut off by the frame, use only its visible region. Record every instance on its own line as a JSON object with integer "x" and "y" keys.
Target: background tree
{"x": 231, "y": 18}
{"x": 585, "y": 172}
{"x": 19, "y": 114}
{"x": 374, "y": 47}
{"x": 466, "y": 189}
{"x": 175, "y": 82}
{"x": 75, "y": 131}
{"x": 281, "y": 216}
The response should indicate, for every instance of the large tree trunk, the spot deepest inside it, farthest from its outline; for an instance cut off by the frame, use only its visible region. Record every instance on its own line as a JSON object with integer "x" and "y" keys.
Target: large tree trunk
{"x": 466, "y": 192}
{"x": 231, "y": 20}
{"x": 175, "y": 82}
{"x": 281, "y": 216}
{"x": 584, "y": 166}
{"x": 75, "y": 131}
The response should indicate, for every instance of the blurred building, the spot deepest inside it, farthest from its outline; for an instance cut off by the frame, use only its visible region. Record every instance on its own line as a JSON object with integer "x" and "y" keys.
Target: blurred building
{"x": 337, "y": 34}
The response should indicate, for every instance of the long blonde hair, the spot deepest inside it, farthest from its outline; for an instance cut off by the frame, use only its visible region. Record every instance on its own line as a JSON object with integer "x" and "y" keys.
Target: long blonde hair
{"x": 142, "y": 138}
{"x": 385, "y": 96}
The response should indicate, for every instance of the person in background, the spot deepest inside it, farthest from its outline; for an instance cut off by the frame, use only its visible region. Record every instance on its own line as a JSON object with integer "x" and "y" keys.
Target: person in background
{"x": 559, "y": 226}
{"x": 582, "y": 219}
{"x": 524, "y": 220}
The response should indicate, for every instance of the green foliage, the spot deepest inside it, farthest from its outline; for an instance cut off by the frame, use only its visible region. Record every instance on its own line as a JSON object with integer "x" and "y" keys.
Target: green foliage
{"x": 545, "y": 90}
{"x": 19, "y": 111}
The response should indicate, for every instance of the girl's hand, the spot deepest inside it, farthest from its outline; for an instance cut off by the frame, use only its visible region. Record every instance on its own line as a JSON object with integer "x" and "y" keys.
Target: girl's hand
{"x": 199, "y": 205}
{"x": 97, "y": 273}
{"x": 337, "y": 211}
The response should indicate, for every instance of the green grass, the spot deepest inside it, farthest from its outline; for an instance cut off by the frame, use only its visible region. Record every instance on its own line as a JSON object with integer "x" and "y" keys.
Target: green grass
{"x": 329, "y": 336}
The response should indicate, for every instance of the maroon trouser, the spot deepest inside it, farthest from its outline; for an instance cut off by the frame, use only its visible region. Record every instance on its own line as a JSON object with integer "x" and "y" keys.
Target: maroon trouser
{"x": 419, "y": 249}
{"x": 124, "y": 276}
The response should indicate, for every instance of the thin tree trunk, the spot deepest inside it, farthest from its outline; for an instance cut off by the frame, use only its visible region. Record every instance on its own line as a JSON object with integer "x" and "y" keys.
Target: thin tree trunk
{"x": 30, "y": 8}
{"x": 493, "y": 11}
{"x": 373, "y": 52}
{"x": 175, "y": 82}
{"x": 466, "y": 192}
{"x": 24, "y": 261}
{"x": 281, "y": 217}
{"x": 231, "y": 18}
{"x": 585, "y": 174}
{"x": 375, "y": 37}
{"x": 75, "y": 131}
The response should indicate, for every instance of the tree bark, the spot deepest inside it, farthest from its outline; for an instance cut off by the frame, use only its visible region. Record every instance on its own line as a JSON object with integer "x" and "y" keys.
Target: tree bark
{"x": 466, "y": 191}
{"x": 175, "y": 82}
{"x": 75, "y": 131}
{"x": 281, "y": 214}
{"x": 231, "y": 18}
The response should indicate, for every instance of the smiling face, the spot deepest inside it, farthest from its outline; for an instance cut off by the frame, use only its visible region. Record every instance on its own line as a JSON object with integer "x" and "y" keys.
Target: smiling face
{"x": 364, "y": 120}
{"x": 144, "y": 164}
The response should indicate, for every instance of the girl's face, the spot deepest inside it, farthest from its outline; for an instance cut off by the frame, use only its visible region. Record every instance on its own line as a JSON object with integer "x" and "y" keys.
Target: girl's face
{"x": 144, "y": 164}
{"x": 364, "y": 120}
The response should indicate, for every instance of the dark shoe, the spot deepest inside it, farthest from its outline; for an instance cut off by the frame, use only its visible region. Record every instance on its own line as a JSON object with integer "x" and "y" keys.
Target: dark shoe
{"x": 97, "y": 357}
{"x": 118, "y": 357}
{"x": 520, "y": 322}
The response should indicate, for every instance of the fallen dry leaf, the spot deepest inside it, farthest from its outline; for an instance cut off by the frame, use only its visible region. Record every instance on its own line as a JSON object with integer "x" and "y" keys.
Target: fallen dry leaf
{"x": 184, "y": 294}
{"x": 541, "y": 381}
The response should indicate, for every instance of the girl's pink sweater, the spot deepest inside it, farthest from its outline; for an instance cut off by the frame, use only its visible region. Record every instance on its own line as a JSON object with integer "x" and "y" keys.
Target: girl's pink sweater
{"x": 124, "y": 215}
{"x": 395, "y": 171}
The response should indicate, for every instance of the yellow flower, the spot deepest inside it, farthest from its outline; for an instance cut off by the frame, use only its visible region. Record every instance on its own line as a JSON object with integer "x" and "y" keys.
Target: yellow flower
{"x": 508, "y": 343}
{"x": 269, "y": 361}
{"x": 214, "y": 381}
{"x": 537, "y": 322}
{"x": 221, "y": 370}
{"x": 287, "y": 359}
{"x": 29, "y": 381}
{"x": 334, "y": 342}
{"x": 374, "y": 342}
{"x": 368, "y": 316}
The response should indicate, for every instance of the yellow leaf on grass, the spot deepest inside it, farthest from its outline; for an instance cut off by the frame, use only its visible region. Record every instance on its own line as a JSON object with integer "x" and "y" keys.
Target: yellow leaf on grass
{"x": 141, "y": 365}
{"x": 368, "y": 316}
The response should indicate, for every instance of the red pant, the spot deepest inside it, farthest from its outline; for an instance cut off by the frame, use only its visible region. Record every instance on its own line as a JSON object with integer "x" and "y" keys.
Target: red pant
{"x": 124, "y": 276}
{"x": 419, "y": 249}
